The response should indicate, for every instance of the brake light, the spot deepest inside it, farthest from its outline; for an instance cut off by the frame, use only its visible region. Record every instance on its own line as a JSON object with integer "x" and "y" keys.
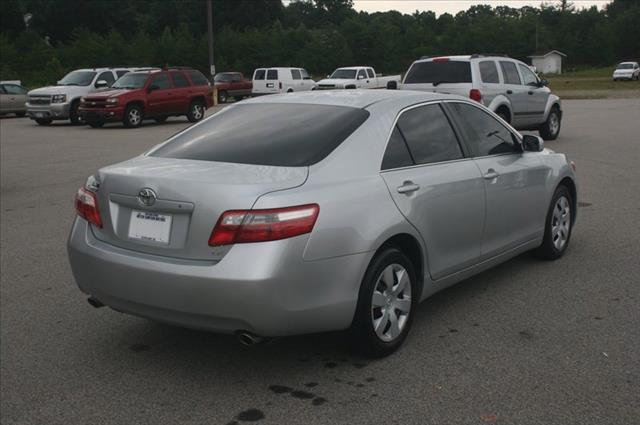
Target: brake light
{"x": 244, "y": 226}
{"x": 87, "y": 206}
{"x": 441, "y": 60}
{"x": 476, "y": 95}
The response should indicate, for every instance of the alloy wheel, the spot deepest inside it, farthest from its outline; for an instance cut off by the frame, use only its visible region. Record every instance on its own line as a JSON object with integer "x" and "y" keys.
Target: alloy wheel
{"x": 554, "y": 123}
{"x": 197, "y": 111}
{"x": 391, "y": 302}
{"x": 135, "y": 116}
{"x": 561, "y": 223}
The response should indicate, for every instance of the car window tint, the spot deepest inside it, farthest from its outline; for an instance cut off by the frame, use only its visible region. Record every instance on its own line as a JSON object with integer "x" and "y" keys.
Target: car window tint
{"x": 121, "y": 72}
{"x": 295, "y": 74}
{"x": 439, "y": 72}
{"x": 197, "y": 78}
{"x": 14, "y": 89}
{"x": 259, "y": 74}
{"x": 528, "y": 77}
{"x": 179, "y": 79}
{"x": 510, "y": 73}
{"x": 429, "y": 135}
{"x": 272, "y": 74}
{"x": 162, "y": 81}
{"x": 489, "y": 72}
{"x": 485, "y": 134}
{"x": 267, "y": 138}
{"x": 397, "y": 154}
{"x": 106, "y": 76}
{"x": 370, "y": 73}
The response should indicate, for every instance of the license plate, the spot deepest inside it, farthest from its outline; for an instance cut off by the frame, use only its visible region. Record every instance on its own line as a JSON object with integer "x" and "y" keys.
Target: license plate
{"x": 150, "y": 227}
{"x": 39, "y": 114}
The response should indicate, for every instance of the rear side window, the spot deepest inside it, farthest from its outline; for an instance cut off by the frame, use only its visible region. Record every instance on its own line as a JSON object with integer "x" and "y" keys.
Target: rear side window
{"x": 439, "y": 72}
{"x": 510, "y": 73}
{"x": 397, "y": 154}
{"x": 295, "y": 74}
{"x": 197, "y": 78}
{"x": 259, "y": 74}
{"x": 272, "y": 74}
{"x": 179, "y": 80}
{"x": 489, "y": 72}
{"x": 485, "y": 134}
{"x": 429, "y": 135}
{"x": 267, "y": 138}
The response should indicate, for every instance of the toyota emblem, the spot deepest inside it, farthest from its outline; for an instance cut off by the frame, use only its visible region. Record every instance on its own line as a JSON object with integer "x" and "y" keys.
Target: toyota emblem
{"x": 147, "y": 197}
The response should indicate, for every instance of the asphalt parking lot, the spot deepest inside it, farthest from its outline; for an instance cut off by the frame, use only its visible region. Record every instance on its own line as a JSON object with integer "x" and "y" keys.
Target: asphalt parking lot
{"x": 528, "y": 342}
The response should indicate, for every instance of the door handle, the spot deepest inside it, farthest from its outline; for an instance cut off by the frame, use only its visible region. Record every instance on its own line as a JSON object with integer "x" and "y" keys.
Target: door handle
{"x": 509, "y": 91}
{"x": 491, "y": 174}
{"x": 408, "y": 187}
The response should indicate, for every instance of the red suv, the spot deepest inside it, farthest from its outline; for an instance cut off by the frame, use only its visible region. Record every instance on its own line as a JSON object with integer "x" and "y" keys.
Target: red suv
{"x": 154, "y": 94}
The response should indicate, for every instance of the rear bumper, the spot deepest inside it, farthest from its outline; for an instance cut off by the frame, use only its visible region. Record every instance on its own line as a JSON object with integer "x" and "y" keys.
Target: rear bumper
{"x": 102, "y": 114}
{"x": 54, "y": 111}
{"x": 264, "y": 288}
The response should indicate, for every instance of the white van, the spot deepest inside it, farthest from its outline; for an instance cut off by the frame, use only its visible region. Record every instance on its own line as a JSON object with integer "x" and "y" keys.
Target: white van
{"x": 281, "y": 80}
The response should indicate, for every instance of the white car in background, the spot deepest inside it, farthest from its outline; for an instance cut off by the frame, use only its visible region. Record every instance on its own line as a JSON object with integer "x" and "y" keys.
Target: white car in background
{"x": 13, "y": 96}
{"x": 356, "y": 77}
{"x": 281, "y": 80}
{"x": 627, "y": 71}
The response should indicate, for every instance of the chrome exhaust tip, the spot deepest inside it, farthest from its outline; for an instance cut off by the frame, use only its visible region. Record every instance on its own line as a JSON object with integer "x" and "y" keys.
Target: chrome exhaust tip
{"x": 94, "y": 302}
{"x": 248, "y": 339}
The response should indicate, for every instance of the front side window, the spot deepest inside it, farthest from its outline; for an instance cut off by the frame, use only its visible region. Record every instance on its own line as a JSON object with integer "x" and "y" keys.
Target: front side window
{"x": 106, "y": 76}
{"x": 485, "y": 135}
{"x": 179, "y": 80}
{"x": 528, "y": 77}
{"x": 429, "y": 135}
{"x": 77, "y": 78}
{"x": 362, "y": 75}
{"x": 259, "y": 74}
{"x": 272, "y": 74}
{"x": 131, "y": 80}
{"x": 295, "y": 74}
{"x": 161, "y": 81}
{"x": 510, "y": 73}
{"x": 397, "y": 154}
{"x": 14, "y": 89}
{"x": 268, "y": 138}
{"x": 489, "y": 72}
{"x": 305, "y": 74}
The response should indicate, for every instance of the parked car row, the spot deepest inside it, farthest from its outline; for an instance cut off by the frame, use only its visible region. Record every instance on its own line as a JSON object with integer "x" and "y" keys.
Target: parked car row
{"x": 627, "y": 71}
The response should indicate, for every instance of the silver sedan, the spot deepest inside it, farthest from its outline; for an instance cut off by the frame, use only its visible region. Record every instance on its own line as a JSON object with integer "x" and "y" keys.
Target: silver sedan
{"x": 318, "y": 211}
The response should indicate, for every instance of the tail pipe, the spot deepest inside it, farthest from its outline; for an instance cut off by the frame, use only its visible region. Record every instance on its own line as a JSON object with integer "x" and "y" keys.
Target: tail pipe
{"x": 249, "y": 339}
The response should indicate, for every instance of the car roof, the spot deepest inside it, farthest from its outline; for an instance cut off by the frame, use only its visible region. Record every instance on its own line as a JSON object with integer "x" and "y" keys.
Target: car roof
{"x": 625, "y": 63}
{"x": 353, "y": 98}
{"x": 354, "y": 67}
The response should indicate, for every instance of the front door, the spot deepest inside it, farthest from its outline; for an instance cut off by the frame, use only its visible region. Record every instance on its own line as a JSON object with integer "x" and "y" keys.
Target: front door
{"x": 515, "y": 181}
{"x": 437, "y": 188}
{"x": 537, "y": 96}
{"x": 516, "y": 92}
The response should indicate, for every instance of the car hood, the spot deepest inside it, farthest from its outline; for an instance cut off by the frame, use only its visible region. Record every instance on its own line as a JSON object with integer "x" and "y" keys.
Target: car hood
{"x": 105, "y": 93}
{"x": 70, "y": 91}
{"x": 336, "y": 81}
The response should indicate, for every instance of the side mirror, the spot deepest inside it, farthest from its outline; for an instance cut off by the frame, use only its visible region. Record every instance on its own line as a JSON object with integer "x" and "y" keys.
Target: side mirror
{"x": 153, "y": 87}
{"x": 531, "y": 143}
{"x": 328, "y": 76}
{"x": 101, "y": 83}
{"x": 392, "y": 85}
{"x": 543, "y": 83}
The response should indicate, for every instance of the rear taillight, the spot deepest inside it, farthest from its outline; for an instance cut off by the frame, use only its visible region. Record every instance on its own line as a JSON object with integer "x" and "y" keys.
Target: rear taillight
{"x": 263, "y": 225}
{"x": 476, "y": 95}
{"x": 87, "y": 206}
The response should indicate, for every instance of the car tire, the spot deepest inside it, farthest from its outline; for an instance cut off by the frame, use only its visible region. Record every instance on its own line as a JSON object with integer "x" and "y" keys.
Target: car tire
{"x": 74, "y": 117}
{"x": 385, "y": 310}
{"x": 550, "y": 130}
{"x": 95, "y": 123}
{"x": 133, "y": 116}
{"x": 558, "y": 225}
{"x": 196, "y": 111}
{"x": 160, "y": 120}
{"x": 222, "y": 97}
{"x": 44, "y": 121}
{"x": 504, "y": 115}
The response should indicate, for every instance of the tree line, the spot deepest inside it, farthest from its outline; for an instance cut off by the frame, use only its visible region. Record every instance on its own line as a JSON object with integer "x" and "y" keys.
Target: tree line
{"x": 320, "y": 35}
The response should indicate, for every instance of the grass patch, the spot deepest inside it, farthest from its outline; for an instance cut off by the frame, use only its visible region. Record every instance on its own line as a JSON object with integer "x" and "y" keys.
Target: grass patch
{"x": 564, "y": 84}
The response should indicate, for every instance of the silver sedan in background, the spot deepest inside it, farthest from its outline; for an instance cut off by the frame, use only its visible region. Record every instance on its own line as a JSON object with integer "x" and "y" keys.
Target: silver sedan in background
{"x": 318, "y": 211}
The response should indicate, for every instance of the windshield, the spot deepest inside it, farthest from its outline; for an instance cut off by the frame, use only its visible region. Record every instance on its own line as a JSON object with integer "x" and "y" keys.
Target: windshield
{"x": 625, "y": 66}
{"x": 439, "y": 72}
{"x": 222, "y": 78}
{"x": 77, "y": 78}
{"x": 347, "y": 74}
{"x": 131, "y": 81}
{"x": 268, "y": 138}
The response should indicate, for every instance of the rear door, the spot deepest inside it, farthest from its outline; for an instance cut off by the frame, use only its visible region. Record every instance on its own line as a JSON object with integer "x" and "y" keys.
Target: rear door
{"x": 436, "y": 187}
{"x": 440, "y": 75}
{"x": 161, "y": 97}
{"x": 537, "y": 96}
{"x": 297, "y": 83}
{"x": 514, "y": 180}
{"x": 273, "y": 83}
{"x": 489, "y": 80}
{"x": 259, "y": 84}
{"x": 515, "y": 91}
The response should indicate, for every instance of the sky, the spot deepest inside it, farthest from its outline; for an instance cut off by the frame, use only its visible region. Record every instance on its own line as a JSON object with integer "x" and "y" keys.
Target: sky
{"x": 454, "y": 6}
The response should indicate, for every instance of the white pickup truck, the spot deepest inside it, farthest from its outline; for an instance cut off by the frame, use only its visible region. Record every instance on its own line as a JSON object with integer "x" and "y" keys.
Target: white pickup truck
{"x": 356, "y": 77}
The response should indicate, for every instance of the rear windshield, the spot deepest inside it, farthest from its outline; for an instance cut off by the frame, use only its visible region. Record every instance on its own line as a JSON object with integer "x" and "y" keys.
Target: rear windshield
{"x": 439, "y": 73}
{"x": 287, "y": 135}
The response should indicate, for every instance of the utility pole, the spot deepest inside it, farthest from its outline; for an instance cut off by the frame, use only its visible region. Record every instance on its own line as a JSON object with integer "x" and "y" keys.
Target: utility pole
{"x": 212, "y": 67}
